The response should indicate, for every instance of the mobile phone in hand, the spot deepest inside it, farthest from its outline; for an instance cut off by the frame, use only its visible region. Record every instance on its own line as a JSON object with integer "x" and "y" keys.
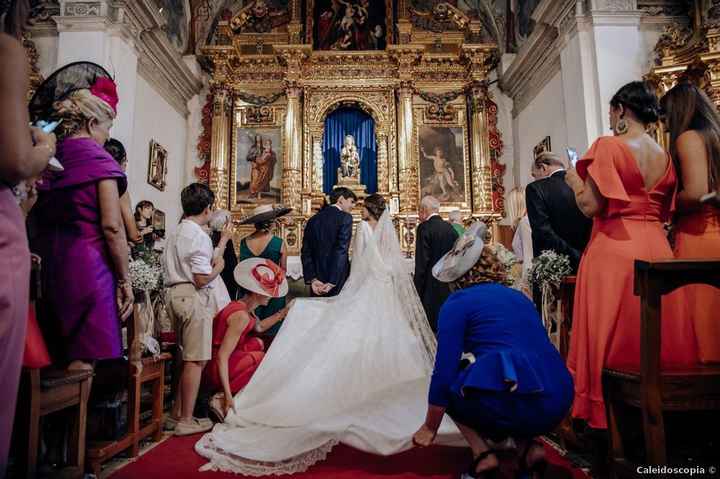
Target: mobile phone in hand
{"x": 572, "y": 156}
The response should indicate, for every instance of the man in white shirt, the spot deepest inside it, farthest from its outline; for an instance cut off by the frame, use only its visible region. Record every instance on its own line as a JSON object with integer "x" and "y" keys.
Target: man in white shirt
{"x": 195, "y": 294}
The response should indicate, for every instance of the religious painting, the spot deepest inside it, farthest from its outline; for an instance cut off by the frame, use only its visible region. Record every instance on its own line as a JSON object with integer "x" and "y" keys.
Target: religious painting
{"x": 258, "y": 165}
{"x": 542, "y": 147}
{"x": 157, "y": 166}
{"x": 159, "y": 222}
{"x": 350, "y": 25}
{"x": 262, "y": 16}
{"x": 177, "y": 22}
{"x": 442, "y": 164}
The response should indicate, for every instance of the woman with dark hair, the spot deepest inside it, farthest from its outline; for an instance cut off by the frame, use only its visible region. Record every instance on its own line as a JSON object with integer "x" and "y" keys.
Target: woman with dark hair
{"x": 516, "y": 385}
{"x": 262, "y": 243}
{"x": 626, "y": 183}
{"x": 144, "y": 212}
{"x": 24, "y": 154}
{"x": 373, "y": 207}
{"x": 117, "y": 151}
{"x": 694, "y": 126}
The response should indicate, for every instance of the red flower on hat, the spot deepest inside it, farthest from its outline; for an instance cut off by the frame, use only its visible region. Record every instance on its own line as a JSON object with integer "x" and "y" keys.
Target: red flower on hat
{"x": 270, "y": 282}
{"x": 105, "y": 89}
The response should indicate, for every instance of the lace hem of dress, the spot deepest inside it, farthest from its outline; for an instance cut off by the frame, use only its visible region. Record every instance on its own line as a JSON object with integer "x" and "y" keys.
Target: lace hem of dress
{"x": 224, "y": 461}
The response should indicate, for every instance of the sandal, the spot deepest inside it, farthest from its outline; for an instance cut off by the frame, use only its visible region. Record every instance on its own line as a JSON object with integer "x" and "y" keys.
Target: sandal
{"x": 537, "y": 470}
{"x": 491, "y": 473}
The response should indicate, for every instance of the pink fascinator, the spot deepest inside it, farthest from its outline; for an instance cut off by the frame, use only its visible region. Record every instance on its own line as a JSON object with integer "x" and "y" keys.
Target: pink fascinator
{"x": 106, "y": 90}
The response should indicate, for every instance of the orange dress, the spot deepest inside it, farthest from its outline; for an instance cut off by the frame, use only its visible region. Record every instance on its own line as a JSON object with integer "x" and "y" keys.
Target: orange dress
{"x": 606, "y": 316}
{"x": 243, "y": 361}
{"x": 698, "y": 236}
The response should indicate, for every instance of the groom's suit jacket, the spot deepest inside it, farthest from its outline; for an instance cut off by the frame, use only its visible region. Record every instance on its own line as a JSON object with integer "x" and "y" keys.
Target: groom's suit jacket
{"x": 325, "y": 246}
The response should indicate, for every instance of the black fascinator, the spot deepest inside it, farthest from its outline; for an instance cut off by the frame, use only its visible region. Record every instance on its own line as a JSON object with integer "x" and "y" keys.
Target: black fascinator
{"x": 70, "y": 78}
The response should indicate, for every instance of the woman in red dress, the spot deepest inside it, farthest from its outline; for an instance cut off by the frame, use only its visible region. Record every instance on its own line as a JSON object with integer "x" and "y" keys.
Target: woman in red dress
{"x": 626, "y": 183}
{"x": 236, "y": 351}
{"x": 694, "y": 126}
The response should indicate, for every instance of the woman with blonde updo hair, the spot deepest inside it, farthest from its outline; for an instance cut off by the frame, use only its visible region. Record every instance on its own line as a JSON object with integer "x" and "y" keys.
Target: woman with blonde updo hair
{"x": 515, "y": 384}
{"x": 80, "y": 230}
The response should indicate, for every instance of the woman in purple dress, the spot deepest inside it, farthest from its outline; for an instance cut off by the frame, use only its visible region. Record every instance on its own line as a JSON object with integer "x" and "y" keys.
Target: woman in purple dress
{"x": 20, "y": 160}
{"x": 80, "y": 232}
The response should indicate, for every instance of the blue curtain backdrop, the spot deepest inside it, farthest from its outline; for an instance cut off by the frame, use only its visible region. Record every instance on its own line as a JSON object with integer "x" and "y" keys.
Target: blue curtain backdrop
{"x": 355, "y": 122}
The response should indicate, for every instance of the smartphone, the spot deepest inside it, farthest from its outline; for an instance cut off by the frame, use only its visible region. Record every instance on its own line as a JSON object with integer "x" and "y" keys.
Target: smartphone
{"x": 712, "y": 196}
{"x": 53, "y": 164}
{"x": 572, "y": 156}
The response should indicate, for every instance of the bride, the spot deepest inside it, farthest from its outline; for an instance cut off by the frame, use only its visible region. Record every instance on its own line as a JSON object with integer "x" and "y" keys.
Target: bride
{"x": 353, "y": 369}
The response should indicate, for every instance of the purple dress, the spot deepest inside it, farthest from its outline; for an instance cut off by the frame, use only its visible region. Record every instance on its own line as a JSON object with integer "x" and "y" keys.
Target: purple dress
{"x": 79, "y": 284}
{"x": 14, "y": 286}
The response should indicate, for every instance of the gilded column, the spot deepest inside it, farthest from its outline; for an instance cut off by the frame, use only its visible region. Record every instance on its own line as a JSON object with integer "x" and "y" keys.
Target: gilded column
{"x": 407, "y": 168}
{"x": 384, "y": 186}
{"x": 480, "y": 150}
{"x": 292, "y": 171}
{"x": 220, "y": 149}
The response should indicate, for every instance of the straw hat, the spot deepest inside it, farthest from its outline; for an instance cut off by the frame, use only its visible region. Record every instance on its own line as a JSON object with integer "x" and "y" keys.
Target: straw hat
{"x": 261, "y": 276}
{"x": 463, "y": 256}
{"x": 264, "y": 213}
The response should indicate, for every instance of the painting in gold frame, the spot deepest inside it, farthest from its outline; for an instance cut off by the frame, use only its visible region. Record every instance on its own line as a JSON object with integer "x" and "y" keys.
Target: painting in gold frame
{"x": 542, "y": 147}
{"x": 258, "y": 157}
{"x": 443, "y": 157}
{"x": 157, "y": 166}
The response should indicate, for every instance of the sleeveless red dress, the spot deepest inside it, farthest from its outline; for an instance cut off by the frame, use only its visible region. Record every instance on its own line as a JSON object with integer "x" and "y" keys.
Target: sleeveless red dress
{"x": 606, "y": 315}
{"x": 246, "y": 357}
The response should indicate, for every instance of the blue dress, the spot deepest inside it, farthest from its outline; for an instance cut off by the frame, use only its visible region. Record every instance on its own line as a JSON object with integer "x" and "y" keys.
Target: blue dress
{"x": 518, "y": 385}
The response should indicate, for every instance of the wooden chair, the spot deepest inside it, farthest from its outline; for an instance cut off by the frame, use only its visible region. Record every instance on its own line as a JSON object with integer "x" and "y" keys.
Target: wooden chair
{"x": 651, "y": 389}
{"x": 43, "y": 392}
{"x": 151, "y": 370}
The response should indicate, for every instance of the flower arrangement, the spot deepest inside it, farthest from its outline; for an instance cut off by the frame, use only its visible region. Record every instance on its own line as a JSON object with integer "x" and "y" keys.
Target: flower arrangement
{"x": 547, "y": 272}
{"x": 549, "y": 269}
{"x": 144, "y": 276}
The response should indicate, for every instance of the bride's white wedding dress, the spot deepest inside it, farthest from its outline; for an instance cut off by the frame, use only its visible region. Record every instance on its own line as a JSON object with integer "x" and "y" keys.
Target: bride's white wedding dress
{"x": 353, "y": 369}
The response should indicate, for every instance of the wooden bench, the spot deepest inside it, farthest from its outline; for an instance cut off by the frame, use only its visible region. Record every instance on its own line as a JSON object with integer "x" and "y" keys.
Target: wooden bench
{"x": 651, "y": 389}
{"x": 152, "y": 371}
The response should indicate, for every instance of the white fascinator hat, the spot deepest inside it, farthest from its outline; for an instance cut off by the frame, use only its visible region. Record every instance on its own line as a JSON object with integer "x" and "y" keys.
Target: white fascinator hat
{"x": 261, "y": 276}
{"x": 464, "y": 254}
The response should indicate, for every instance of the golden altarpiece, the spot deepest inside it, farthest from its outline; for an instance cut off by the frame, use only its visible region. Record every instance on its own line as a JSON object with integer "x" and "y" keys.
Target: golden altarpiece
{"x": 689, "y": 52}
{"x": 275, "y": 86}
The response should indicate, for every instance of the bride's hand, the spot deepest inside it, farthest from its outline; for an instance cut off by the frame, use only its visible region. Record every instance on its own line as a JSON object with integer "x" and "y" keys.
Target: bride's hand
{"x": 424, "y": 436}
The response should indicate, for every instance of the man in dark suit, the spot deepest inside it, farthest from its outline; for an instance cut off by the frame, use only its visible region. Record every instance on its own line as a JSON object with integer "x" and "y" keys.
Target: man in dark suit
{"x": 326, "y": 243}
{"x": 434, "y": 238}
{"x": 555, "y": 219}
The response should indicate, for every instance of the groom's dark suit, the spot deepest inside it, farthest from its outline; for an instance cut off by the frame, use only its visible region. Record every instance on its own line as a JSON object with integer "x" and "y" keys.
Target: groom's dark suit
{"x": 326, "y": 242}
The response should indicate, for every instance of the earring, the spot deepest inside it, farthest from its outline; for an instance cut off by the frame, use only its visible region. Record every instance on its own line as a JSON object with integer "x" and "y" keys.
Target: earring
{"x": 621, "y": 127}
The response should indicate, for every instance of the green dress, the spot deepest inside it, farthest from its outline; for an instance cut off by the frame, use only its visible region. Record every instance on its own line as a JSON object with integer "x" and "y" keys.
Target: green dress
{"x": 273, "y": 252}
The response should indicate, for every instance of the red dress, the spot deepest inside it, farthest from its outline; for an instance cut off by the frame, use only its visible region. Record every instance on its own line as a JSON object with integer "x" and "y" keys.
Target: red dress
{"x": 246, "y": 357}
{"x": 606, "y": 316}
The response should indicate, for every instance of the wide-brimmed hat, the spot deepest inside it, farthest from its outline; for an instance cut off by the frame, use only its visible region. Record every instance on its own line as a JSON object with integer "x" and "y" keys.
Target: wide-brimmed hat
{"x": 464, "y": 254}
{"x": 261, "y": 276}
{"x": 264, "y": 213}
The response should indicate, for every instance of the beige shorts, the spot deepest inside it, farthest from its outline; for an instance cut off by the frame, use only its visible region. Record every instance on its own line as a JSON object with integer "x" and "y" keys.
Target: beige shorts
{"x": 192, "y": 318}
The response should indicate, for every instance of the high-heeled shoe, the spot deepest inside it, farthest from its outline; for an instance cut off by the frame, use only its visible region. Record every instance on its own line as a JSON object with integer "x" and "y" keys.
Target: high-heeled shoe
{"x": 537, "y": 469}
{"x": 492, "y": 473}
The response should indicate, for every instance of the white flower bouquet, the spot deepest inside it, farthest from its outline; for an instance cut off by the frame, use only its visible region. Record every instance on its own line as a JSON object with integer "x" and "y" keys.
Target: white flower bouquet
{"x": 549, "y": 269}
{"x": 143, "y": 276}
{"x": 547, "y": 272}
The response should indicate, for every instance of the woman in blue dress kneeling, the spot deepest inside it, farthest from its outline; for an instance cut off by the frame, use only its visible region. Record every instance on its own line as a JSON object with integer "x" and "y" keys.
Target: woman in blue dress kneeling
{"x": 516, "y": 384}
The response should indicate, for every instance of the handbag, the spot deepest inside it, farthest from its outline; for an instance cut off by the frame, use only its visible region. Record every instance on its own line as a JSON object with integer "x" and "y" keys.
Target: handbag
{"x": 36, "y": 355}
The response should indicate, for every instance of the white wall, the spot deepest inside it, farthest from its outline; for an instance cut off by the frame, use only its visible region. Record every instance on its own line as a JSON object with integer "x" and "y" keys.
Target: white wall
{"x": 543, "y": 116}
{"x": 157, "y": 120}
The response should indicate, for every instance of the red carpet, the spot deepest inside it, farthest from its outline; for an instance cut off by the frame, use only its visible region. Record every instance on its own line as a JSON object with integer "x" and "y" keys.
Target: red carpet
{"x": 176, "y": 458}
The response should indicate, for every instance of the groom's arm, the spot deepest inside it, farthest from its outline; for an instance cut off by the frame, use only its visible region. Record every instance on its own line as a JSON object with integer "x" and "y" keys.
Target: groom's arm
{"x": 306, "y": 257}
{"x": 339, "y": 255}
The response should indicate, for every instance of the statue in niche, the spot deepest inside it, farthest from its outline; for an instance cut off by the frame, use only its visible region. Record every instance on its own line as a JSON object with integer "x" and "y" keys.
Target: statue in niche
{"x": 349, "y": 160}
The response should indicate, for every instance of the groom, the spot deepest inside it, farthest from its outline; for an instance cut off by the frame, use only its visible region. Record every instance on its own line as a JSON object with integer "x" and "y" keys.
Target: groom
{"x": 326, "y": 242}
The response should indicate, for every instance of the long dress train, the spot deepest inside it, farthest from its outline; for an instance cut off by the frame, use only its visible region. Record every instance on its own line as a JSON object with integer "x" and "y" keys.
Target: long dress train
{"x": 353, "y": 369}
